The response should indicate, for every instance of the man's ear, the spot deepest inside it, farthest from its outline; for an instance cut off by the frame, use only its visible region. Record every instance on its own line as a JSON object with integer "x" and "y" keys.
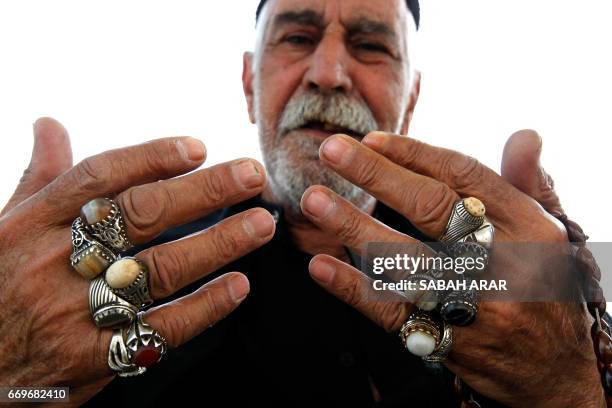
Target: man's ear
{"x": 247, "y": 83}
{"x": 414, "y": 97}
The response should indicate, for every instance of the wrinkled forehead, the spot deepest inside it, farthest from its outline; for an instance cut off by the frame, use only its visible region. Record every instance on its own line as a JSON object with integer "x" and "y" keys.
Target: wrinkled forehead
{"x": 392, "y": 16}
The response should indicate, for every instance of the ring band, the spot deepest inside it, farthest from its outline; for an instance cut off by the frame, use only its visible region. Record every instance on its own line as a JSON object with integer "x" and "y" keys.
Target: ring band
{"x": 107, "y": 309}
{"x": 466, "y": 217}
{"x": 444, "y": 347}
{"x": 474, "y": 251}
{"x": 128, "y": 278}
{"x": 89, "y": 257}
{"x": 133, "y": 351}
{"x": 484, "y": 235}
{"x": 104, "y": 220}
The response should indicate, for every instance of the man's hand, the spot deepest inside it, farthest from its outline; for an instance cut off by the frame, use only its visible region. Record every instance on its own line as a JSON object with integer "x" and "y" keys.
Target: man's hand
{"x": 48, "y": 337}
{"x": 520, "y": 354}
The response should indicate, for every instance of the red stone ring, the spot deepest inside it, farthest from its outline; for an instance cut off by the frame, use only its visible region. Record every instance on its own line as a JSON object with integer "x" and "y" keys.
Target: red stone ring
{"x": 133, "y": 351}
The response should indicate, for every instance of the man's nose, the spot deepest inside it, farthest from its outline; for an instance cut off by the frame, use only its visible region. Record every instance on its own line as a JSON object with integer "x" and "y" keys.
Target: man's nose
{"x": 328, "y": 70}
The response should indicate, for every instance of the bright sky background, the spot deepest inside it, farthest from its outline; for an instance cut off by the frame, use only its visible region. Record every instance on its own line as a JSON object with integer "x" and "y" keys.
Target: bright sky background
{"x": 122, "y": 72}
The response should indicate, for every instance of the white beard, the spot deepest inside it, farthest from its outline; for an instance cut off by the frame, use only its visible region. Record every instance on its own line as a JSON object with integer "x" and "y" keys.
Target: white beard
{"x": 289, "y": 179}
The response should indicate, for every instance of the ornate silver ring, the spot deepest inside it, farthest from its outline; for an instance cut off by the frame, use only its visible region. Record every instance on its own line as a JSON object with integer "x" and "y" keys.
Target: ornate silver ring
{"x": 107, "y": 309}
{"x": 103, "y": 219}
{"x": 134, "y": 350}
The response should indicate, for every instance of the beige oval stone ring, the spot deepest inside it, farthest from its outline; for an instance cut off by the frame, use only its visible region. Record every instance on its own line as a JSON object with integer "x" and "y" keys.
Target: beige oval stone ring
{"x": 116, "y": 297}
{"x": 128, "y": 278}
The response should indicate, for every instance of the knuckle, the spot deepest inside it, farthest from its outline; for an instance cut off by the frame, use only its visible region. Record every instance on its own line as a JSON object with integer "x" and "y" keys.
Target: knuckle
{"x": 352, "y": 293}
{"x": 166, "y": 267}
{"x": 156, "y": 156}
{"x": 212, "y": 306}
{"x": 175, "y": 329}
{"x": 368, "y": 173}
{"x": 350, "y": 230}
{"x": 143, "y": 209}
{"x": 225, "y": 244}
{"x": 432, "y": 202}
{"x": 93, "y": 174}
{"x": 213, "y": 187}
{"x": 411, "y": 157}
{"x": 463, "y": 171}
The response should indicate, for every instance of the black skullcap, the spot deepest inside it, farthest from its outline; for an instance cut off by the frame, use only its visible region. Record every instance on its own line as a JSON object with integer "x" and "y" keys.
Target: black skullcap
{"x": 413, "y": 6}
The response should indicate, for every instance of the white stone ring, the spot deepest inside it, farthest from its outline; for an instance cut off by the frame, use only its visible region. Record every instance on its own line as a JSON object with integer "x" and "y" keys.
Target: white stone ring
{"x": 128, "y": 278}
{"x": 421, "y": 333}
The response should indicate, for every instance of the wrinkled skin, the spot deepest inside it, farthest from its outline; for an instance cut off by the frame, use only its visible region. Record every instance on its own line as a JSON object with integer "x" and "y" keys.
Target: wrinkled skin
{"x": 48, "y": 336}
{"x": 516, "y": 353}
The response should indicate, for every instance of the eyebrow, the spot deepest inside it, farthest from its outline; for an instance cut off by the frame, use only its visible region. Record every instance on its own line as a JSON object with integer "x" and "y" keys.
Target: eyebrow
{"x": 366, "y": 25}
{"x": 304, "y": 17}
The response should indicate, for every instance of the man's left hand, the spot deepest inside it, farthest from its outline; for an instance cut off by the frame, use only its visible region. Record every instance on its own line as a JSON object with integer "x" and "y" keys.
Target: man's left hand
{"x": 517, "y": 353}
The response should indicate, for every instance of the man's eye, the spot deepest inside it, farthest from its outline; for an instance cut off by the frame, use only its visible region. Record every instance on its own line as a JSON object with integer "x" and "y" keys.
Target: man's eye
{"x": 371, "y": 47}
{"x": 297, "y": 39}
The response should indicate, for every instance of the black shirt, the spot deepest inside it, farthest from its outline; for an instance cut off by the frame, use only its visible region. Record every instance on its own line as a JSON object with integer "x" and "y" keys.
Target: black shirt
{"x": 290, "y": 343}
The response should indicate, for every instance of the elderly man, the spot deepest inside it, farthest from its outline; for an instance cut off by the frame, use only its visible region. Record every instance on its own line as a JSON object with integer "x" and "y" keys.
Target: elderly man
{"x": 330, "y": 86}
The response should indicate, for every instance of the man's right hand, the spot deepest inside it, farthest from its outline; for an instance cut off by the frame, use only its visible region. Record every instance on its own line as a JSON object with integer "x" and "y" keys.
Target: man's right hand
{"x": 48, "y": 337}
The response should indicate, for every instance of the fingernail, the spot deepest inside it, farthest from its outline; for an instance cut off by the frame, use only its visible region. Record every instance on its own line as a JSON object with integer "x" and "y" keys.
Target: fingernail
{"x": 319, "y": 203}
{"x": 375, "y": 140}
{"x": 322, "y": 271}
{"x": 191, "y": 149}
{"x": 248, "y": 174}
{"x": 337, "y": 150}
{"x": 259, "y": 223}
{"x": 239, "y": 288}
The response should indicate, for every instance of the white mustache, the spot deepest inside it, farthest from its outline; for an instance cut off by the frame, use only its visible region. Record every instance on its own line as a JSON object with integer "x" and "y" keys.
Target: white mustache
{"x": 336, "y": 109}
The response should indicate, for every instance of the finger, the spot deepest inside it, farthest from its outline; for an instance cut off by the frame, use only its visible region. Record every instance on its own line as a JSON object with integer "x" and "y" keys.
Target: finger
{"x": 340, "y": 218}
{"x": 174, "y": 265}
{"x": 113, "y": 171}
{"x": 460, "y": 172}
{"x": 51, "y": 156}
{"x": 153, "y": 208}
{"x": 426, "y": 202}
{"x": 185, "y": 318}
{"x": 521, "y": 167}
{"x": 355, "y": 289}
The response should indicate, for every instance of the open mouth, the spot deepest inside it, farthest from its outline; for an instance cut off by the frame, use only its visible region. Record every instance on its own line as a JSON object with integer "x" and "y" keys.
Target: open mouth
{"x": 331, "y": 129}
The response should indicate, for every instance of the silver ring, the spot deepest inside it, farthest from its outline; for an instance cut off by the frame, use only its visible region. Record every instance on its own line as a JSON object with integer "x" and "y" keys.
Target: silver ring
{"x": 129, "y": 278}
{"x": 484, "y": 235}
{"x": 133, "y": 351}
{"x": 103, "y": 218}
{"x": 426, "y": 300}
{"x": 107, "y": 309}
{"x": 466, "y": 217}
{"x": 459, "y": 307}
{"x": 444, "y": 347}
{"x": 420, "y": 334}
{"x": 89, "y": 257}
{"x": 474, "y": 251}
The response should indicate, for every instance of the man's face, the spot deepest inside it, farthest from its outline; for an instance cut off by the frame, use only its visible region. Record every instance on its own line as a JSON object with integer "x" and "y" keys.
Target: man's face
{"x": 323, "y": 67}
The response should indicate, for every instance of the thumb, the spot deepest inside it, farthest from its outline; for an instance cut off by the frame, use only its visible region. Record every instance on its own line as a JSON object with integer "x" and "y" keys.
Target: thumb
{"x": 51, "y": 156}
{"x": 521, "y": 167}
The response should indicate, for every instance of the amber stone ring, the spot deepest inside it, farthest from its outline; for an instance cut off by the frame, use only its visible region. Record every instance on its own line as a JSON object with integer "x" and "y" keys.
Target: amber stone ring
{"x": 89, "y": 257}
{"x": 102, "y": 218}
